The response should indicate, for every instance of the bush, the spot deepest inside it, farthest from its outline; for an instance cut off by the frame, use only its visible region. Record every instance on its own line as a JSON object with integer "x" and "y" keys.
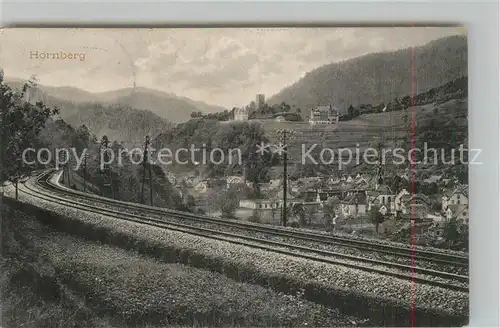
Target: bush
{"x": 256, "y": 216}
{"x": 255, "y": 219}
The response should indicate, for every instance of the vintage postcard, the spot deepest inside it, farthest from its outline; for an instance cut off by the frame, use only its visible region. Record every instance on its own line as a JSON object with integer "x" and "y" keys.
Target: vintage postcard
{"x": 235, "y": 177}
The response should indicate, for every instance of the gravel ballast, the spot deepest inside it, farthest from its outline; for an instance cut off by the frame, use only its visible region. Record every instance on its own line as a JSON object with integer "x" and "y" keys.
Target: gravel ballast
{"x": 361, "y": 293}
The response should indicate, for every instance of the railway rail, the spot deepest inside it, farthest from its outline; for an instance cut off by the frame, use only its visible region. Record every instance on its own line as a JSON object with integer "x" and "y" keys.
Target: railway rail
{"x": 46, "y": 190}
{"x": 416, "y": 254}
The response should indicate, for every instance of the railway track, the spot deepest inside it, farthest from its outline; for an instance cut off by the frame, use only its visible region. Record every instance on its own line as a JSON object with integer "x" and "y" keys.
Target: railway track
{"x": 415, "y": 255}
{"x": 419, "y": 275}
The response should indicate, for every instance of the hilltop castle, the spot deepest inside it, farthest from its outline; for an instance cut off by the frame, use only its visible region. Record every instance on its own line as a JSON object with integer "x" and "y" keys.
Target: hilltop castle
{"x": 240, "y": 114}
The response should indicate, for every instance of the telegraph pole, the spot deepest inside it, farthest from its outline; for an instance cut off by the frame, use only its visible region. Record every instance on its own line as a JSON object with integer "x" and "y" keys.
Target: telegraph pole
{"x": 85, "y": 156}
{"x": 144, "y": 164}
{"x": 150, "y": 180}
{"x": 285, "y": 136}
{"x": 108, "y": 174}
{"x": 65, "y": 170}
{"x": 381, "y": 159}
{"x": 285, "y": 178}
{"x": 68, "y": 169}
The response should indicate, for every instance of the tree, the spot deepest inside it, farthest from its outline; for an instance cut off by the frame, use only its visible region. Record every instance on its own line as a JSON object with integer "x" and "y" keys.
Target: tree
{"x": 310, "y": 214}
{"x": 450, "y": 233}
{"x": 350, "y": 110}
{"x": 376, "y": 216}
{"x": 247, "y": 137}
{"x": 256, "y": 216}
{"x": 406, "y": 101}
{"x": 228, "y": 203}
{"x": 330, "y": 209}
{"x": 299, "y": 212}
{"x": 196, "y": 114}
{"x": 437, "y": 206}
{"x": 274, "y": 211}
{"x": 284, "y": 107}
{"x": 21, "y": 123}
{"x": 190, "y": 202}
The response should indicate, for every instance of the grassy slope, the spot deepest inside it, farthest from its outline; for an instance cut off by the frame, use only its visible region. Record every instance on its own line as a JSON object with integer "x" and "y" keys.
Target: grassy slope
{"x": 47, "y": 275}
{"x": 363, "y": 130}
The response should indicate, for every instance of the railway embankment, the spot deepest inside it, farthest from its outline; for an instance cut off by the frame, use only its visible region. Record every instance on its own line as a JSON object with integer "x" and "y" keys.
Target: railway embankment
{"x": 53, "y": 279}
{"x": 356, "y": 293}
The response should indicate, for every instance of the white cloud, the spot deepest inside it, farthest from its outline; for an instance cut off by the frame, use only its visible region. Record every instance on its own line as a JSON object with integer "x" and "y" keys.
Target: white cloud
{"x": 221, "y": 65}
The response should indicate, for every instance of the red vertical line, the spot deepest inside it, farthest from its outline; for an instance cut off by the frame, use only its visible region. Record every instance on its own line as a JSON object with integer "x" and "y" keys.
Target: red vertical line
{"x": 413, "y": 187}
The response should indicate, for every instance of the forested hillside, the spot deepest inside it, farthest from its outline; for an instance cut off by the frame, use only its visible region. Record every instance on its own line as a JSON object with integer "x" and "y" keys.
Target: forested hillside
{"x": 165, "y": 105}
{"x": 379, "y": 77}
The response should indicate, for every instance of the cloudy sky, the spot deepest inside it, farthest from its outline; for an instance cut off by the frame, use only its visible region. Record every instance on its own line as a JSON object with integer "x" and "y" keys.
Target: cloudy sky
{"x": 223, "y": 66}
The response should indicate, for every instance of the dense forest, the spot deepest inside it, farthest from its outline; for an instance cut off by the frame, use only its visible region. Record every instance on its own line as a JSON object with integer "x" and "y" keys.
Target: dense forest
{"x": 27, "y": 125}
{"x": 379, "y": 77}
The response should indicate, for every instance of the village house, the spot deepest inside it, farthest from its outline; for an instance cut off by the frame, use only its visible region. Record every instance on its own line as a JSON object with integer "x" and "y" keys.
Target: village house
{"x": 396, "y": 205}
{"x": 458, "y": 211}
{"x": 333, "y": 181}
{"x": 436, "y": 229}
{"x": 409, "y": 200}
{"x": 346, "y": 178}
{"x": 415, "y": 207}
{"x": 383, "y": 210}
{"x": 273, "y": 199}
{"x": 361, "y": 182}
{"x": 172, "y": 179}
{"x": 275, "y": 183}
{"x": 324, "y": 115}
{"x": 201, "y": 187}
{"x": 381, "y": 196}
{"x": 234, "y": 180}
{"x": 190, "y": 181}
{"x": 457, "y": 196}
{"x": 265, "y": 204}
{"x": 240, "y": 114}
{"x": 354, "y": 205}
{"x": 404, "y": 176}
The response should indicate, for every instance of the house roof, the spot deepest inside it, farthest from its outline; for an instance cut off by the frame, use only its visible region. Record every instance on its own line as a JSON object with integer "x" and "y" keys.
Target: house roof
{"x": 233, "y": 177}
{"x": 406, "y": 197}
{"x": 384, "y": 189}
{"x": 357, "y": 198}
{"x": 333, "y": 181}
{"x": 413, "y": 215}
{"x": 325, "y": 108}
{"x": 422, "y": 197}
{"x": 348, "y": 186}
{"x": 275, "y": 183}
{"x": 276, "y": 193}
{"x": 418, "y": 207}
{"x": 372, "y": 194}
{"x": 361, "y": 180}
{"x": 461, "y": 189}
{"x": 417, "y": 197}
{"x": 433, "y": 179}
{"x": 457, "y": 209}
